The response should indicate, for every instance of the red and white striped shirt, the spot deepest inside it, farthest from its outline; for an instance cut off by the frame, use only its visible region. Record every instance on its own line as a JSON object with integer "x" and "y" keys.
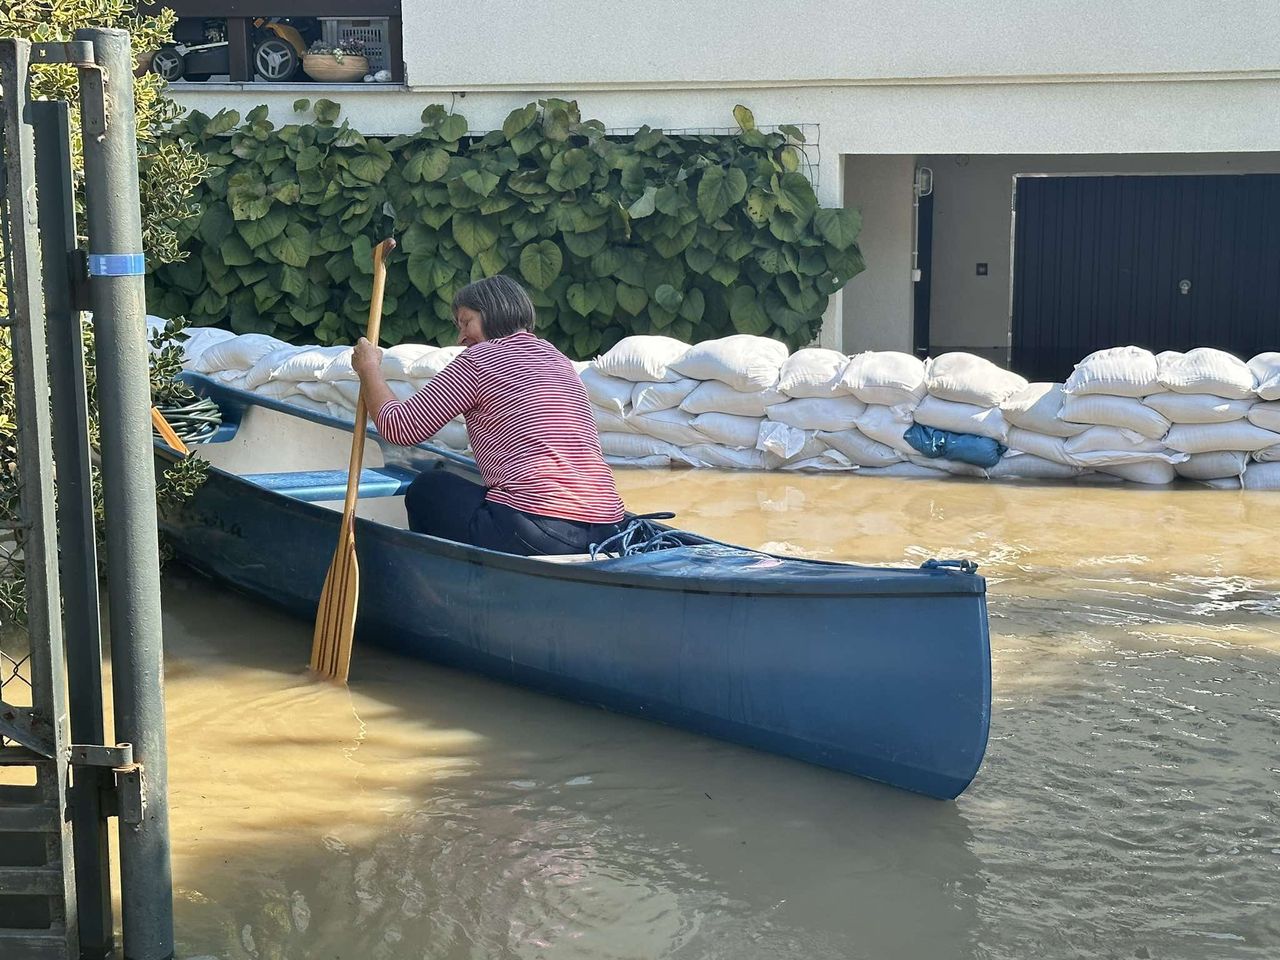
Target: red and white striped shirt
{"x": 530, "y": 426}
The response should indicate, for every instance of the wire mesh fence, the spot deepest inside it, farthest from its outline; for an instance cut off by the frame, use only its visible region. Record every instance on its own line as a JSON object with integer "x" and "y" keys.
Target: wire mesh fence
{"x": 810, "y": 151}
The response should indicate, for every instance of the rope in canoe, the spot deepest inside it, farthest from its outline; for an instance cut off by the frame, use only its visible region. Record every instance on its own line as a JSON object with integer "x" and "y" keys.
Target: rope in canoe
{"x": 194, "y": 421}
{"x": 640, "y": 535}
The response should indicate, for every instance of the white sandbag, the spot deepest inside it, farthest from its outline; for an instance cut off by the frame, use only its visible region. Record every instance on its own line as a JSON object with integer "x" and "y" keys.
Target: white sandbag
{"x": 320, "y": 392}
{"x": 1197, "y": 407}
{"x": 1211, "y": 437}
{"x": 965, "y": 378}
{"x": 1118, "y": 371}
{"x": 1111, "y": 439}
{"x": 1265, "y": 368}
{"x": 655, "y": 462}
{"x": 1213, "y": 466}
{"x": 428, "y": 364}
{"x": 199, "y": 339}
{"x": 642, "y": 358}
{"x": 1027, "y": 466}
{"x": 904, "y": 469}
{"x": 1267, "y": 454}
{"x": 1099, "y": 409}
{"x": 1205, "y": 370}
{"x": 813, "y": 413}
{"x": 607, "y": 421}
{"x": 828, "y": 460}
{"x": 714, "y": 455}
{"x": 409, "y": 361}
{"x": 712, "y": 396}
{"x": 885, "y": 377}
{"x": 962, "y": 418}
{"x": 262, "y": 369}
{"x": 860, "y": 449}
{"x": 1262, "y": 476}
{"x": 743, "y": 361}
{"x": 1154, "y": 472}
{"x": 275, "y": 389}
{"x": 887, "y": 424}
{"x": 953, "y": 468}
{"x": 1223, "y": 483}
{"x": 349, "y": 391}
{"x": 238, "y": 353}
{"x": 1036, "y": 407}
{"x": 1266, "y": 415}
{"x": 813, "y": 372}
{"x": 673, "y": 426}
{"x": 303, "y": 363}
{"x": 633, "y": 445}
{"x": 662, "y": 395}
{"x": 607, "y": 392}
{"x": 728, "y": 430}
{"x": 229, "y": 378}
{"x": 306, "y": 403}
{"x": 1040, "y": 446}
{"x": 783, "y": 441}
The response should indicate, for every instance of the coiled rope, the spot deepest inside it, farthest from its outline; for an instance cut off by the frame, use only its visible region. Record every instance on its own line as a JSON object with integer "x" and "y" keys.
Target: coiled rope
{"x": 194, "y": 421}
{"x": 640, "y": 535}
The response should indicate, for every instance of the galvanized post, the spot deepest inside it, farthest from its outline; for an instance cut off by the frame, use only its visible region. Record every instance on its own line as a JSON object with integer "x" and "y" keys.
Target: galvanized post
{"x": 116, "y": 297}
{"x": 78, "y": 558}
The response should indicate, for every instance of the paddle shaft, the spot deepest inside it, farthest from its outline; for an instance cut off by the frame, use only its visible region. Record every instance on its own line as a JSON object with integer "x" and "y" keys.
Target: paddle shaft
{"x": 362, "y": 413}
{"x": 165, "y": 430}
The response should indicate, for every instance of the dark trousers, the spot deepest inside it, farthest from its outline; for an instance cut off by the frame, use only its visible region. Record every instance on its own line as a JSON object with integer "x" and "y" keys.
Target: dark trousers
{"x": 445, "y": 505}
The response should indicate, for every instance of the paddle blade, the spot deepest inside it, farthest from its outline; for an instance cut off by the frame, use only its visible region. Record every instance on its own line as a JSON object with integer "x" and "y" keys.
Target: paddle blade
{"x": 336, "y": 617}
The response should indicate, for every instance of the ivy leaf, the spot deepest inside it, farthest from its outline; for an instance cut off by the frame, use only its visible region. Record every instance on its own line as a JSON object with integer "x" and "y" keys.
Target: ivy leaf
{"x": 812, "y": 261}
{"x": 671, "y": 200}
{"x": 453, "y": 128}
{"x": 724, "y": 272}
{"x": 719, "y": 190}
{"x": 224, "y": 121}
{"x": 785, "y": 227}
{"x": 540, "y": 263}
{"x": 760, "y": 206}
{"x": 518, "y": 120}
{"x": 645, "y": 205}
{"x": 694, "y": 305}
{"x": 632, "y": 299}
{"x": 793, "y": 132}
{"x": 301, "y": 105}
{"x": 607, "y": 261}
{"x": 671, "y": 246}
{"x": 427, "y": 166}
{"x": 327, "y": 112}
{"x": 839, "y": 226}
{"x": 770, "y": 261}
{"x": 293, "y": 246}
{"x": 526, "y": 230}
{"x": 362, "y": 255}
{"x": 474, "y": 233}
{"x": 216, "y": 224}
{"x": 583, "y": 298}
{"x": 660, "y": 317}
{"x": 700, "y": 259}
{"x": 369, "y": 167}
{"x": 587, "y": 244}
{"x": 480, "y": 182}
{"x": 795, "y": 195}
{"x": 287, "y": 193}
{"x": 492, "y": 261}
{"x": 790, "y": 158}
{"x": 292, "y": 280}
{"x": 745, "y": 118}
{"x": 524, "y": 141}
{"x": 258, "y": 232}
{"x": 668, "y": 297}
{"x": 746, "y": 311}
{"x": 569, "y": 170}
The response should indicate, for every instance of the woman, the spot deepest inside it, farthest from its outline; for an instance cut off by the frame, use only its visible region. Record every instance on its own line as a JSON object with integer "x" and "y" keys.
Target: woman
{"x": 547, "y": 488}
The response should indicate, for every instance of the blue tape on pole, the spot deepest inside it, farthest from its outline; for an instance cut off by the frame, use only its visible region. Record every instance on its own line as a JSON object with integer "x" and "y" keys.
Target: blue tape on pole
{"x": 117, "y": 264}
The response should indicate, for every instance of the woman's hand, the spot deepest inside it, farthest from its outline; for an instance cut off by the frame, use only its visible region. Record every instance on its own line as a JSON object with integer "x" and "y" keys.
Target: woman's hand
{"x": 366, "y": 358}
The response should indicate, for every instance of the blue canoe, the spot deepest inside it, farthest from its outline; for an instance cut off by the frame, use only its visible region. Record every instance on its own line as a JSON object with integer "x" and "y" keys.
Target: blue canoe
{"x": 877, "y": 671}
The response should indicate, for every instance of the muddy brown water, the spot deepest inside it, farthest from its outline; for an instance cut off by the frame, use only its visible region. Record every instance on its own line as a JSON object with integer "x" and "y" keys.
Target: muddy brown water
{"x": 1128, "y": 805}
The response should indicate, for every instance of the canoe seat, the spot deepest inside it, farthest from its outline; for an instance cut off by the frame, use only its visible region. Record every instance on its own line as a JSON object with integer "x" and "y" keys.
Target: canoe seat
{"x": 319, "y": 485}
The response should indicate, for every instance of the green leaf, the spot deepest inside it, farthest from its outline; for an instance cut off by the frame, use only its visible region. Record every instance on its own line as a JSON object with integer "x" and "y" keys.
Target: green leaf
{"x": 793, "y": 132}
{"x": 480, "y": 182}
{"x": 287, "y": 193}
{"x": 525, "y": 141}
{"x": 693, "y": 306}
{"x": 362, "y": 255}
{"x": 524, "y": 230}
{"x": 760, "y": 206}
{"x": 724, "y": 272}
{"x": 672, "y": 246}
{"x": 216, "y": 224}
{"x": 540, "y": 263}
{"x": 632, "y": 299}
{"x": 719, "y": 190}
{"x": 812, "y": 261}
{"x": 301, "y": 105}
{"x": 453, "y": 128}
{"x": 785, "y": 227}
{"x": 744, "y": 117}
{"x": 369, "y": 167}
{"x": 583, "y": 298}
{"x": 292, "y": 280}
{"x": 327, "y": 111}
{"x": 699, "y": 259}
{"x": 293, "y": 246}
{"x": 569, "y": 170}
{"x": 668, "y": 297}
{"x": 260, "y": 231}
{"x": 839, "y": 226}
{"x": 492, "y": 261}
{"x": 645, "y": 205}
{"x": 474, "y": 233}
{"x": 519, "y": 119}
{"x": 224, "y": 121}
{"x": 671, "y": 200}
{"x": 587, "y": 244}
{"x": 422, "y": 274}
{"x": 790, "y": 158}
{"x": 427, "y": 166}
{"x": 795, "y": 195}
{"x": 746, "y": 311}
{"x": 607, "y": 261}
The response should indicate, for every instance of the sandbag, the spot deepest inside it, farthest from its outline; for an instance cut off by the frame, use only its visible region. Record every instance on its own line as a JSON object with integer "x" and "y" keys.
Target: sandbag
{"x": 196, "y": 340}
{"x": 428, "y": 364}
{"x": 743, "y": 361}
{"x": 1112, "y": 439}
{"x": 1041, "y": 446}
{"x": 1212, "y": 466}
{"x": 1266, "y": 416}
{"x": 236, "y": 354}
{"x": 965, "y": 378}
{"x": 411, "y": 361}
{"x": 634, "y": 446}
{"x": 655, "y": 462}
{"x": 728, "y": 430}
{"x": 1262, "y": 476}
{"x": 783, "y": 441}
{"x": 712, "y": 396}
{"x": 904, "y": 470}
{"x": 961, "y": 447}
{"x": 1205, "y": 370}
{"x": 1097, "y": 409}
{"x": 813, "y": 372}
{"x": 349, "y": 391}
{"x": 1026, "y": 466}
{"x": 1197, "y": 407}
{"x": 1154, "y": 472}
{"x": 1267, "y": 454}
{"x": 714, "y": 455}
{"x": 607, "y": 392}
{"x": 1118, "y": 371}
{"x": 306, "y": 363}
{"x": 320, "y": 392}
{"x": 647, "y": 397}
{"x": 887, "y": 378}
{"x": 261, "y": 371}
{"x": 828, "y": 460}
{"x": 954, "y": 468}
{"x": 609, "y": 421}
{"x": 306, "y": 403}
{"x": 1265, "y": 368}
{"x": 642, "y": 358}
{"x": 275, "y": 389}
{"x": 673, "y": 426}
{"x": 888, "y": 425}
{"x": 860, "y": 449}
{"x": 1036, "y": 407}
{"x": 962, "y": 418}
{"x": 811, "y": 413}
{"x": 1211, "y": 437}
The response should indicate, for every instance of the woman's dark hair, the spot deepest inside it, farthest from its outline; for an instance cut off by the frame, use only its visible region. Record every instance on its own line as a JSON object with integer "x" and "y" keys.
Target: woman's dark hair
{"x": 503, "y": 305}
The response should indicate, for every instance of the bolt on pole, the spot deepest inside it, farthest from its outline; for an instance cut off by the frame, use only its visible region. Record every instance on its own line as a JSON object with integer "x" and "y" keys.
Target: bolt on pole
{"x": 116, "y": 296}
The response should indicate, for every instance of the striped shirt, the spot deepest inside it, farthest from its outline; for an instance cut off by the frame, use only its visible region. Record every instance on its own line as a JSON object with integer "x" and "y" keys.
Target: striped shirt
{"x": 530, "y": 426}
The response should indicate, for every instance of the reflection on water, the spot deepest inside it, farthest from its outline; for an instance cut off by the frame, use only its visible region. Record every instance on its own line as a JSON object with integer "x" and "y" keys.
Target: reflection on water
{"x": 1128, "y": 805}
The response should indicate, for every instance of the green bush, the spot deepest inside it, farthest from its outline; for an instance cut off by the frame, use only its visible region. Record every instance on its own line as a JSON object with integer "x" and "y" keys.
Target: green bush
{"x": 690, "y": 236}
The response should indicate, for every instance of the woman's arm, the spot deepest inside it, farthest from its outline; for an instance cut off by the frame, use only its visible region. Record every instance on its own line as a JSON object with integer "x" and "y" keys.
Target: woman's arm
{"x": 366, "y": 359}
{"x": 450, "y": 393}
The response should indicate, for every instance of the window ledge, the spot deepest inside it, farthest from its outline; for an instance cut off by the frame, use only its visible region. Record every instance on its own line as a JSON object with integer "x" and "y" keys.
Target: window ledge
{"x": 182, "y": 87}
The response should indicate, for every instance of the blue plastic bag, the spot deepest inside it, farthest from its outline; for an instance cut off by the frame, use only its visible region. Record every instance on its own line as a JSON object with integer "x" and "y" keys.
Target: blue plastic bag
{"x": 963, "y": 447}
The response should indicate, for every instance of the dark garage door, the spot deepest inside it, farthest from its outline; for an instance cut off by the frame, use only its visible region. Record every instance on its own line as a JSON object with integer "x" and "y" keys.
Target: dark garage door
{"x": 1104, "y": 261}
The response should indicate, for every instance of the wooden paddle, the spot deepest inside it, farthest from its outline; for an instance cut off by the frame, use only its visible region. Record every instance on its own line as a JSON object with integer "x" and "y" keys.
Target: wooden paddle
{"x": 336, "y": 616}
{"x": 170, "y": 436}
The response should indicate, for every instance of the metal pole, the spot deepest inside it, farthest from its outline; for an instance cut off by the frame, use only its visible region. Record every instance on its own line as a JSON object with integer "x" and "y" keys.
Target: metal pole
{"x": 128, "y": 482}
{"x": 78, "y": 557}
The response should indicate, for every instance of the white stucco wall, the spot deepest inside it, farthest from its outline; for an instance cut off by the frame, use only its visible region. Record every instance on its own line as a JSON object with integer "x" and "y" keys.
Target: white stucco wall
{"x": 877, "y": 304}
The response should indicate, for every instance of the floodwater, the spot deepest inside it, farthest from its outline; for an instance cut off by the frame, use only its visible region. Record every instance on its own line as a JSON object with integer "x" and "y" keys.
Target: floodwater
{"x": 1128, "y": 806}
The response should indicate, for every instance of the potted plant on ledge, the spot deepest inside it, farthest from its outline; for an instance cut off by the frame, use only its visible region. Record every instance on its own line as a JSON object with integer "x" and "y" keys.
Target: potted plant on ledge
{"x": 341, "y": 62}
